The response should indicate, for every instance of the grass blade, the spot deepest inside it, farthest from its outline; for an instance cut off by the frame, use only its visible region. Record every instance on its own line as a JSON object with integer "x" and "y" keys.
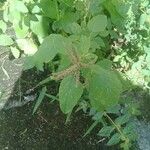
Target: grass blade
{"x": 68, "y": 118}
{"x": 91, "y": 128}
{"x": 40, "y": 98}
{"x": 48, "y": 79}
{"x": 52, "y": 97}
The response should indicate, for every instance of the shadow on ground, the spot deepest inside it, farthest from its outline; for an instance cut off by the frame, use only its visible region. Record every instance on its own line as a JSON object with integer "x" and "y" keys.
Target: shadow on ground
{"x": 46, "y": 130}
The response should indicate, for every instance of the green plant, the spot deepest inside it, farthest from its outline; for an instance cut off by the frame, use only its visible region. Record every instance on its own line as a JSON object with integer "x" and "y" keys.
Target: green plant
{"x": 133, "y": 57}
{"x": 79, "y": 39}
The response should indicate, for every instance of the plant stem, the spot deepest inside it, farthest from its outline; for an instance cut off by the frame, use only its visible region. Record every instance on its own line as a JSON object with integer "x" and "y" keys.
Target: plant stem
{"x": 116, "y": 126}
{"x": 87, "y": 5}
{"x": 56, "y": 5}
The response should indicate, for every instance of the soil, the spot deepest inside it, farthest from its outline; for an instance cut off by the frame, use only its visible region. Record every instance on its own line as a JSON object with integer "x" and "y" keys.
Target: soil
{"x": 46, "y": 130}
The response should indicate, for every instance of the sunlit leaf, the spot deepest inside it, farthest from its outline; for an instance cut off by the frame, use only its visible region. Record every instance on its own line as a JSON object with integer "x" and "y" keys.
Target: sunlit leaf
{"x": 15, "y": 52}
{"x": 40, "y": 26}
{"x": 21, "y": 7}
{"x": 97, "y": 23}
{"x": 3, "y": 26}
{"x": 49, "y": 8}
{"x": 5, "y": 40}
{"x": 27, "y": 46}
{"x": 52, "y": 45}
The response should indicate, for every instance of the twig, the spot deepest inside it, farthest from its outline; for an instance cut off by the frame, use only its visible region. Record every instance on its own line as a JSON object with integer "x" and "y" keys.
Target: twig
{"x": 4, "y": 70}
{"x": 101, "y": 140}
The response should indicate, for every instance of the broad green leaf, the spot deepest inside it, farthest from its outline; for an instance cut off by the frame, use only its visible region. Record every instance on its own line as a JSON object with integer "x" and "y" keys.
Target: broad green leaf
{"x": 40, "y": 99}
{"x": 68, "y": 23}
{"x": 129, "y": 128}
{"x": 94, "y": 46}
{"x": 116, "y": 17}
{"x": 104, "y": 88}
{"x": 14, "y": 16}
{"x": 49, "y": 8}
{"x": 40, "y": 26}
{"x": 104, "y": 33}
{"x": 36, "y": 9}
{"x": 143, "y": 19}
{"x": 5, "y": 14}
{"x": 115, "y": 139}
{"x": 64, "y": 62}
{"x": 105, "y": 64}
{"x": 97, "y": 23}
{"x": 84, "y": 44}
{"x": 68, "y": 3}
{"x": 29, "y": 63}
{"x": 100, "y": 41}
{"x": 90, "y": 57}
{"x": 69, "y": 94}
{"x": 123, "y": 119}
{"x": 106, "y": 131}
{"x": 15, "y": 52}
{"x": 95, "y": 6}
{"x": 27, "y": 46}
{"x": 21, "y": 29}
{"x": 72, "y": 28}
{"x": 69, "y": 17}
{"x": 28, "y": 1}
{"x": 3, "y": 26}
{"x": 51, "y": 45}
{"x": 126, "y": 83}
{"x": 21, "y": 7}
{"x": 17, "y": 5}
{"x": 148, "y": 61}
{"x": 5, "y": 40}
{"x": 1, "y": 5}
{"x": 79, "y": 5}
